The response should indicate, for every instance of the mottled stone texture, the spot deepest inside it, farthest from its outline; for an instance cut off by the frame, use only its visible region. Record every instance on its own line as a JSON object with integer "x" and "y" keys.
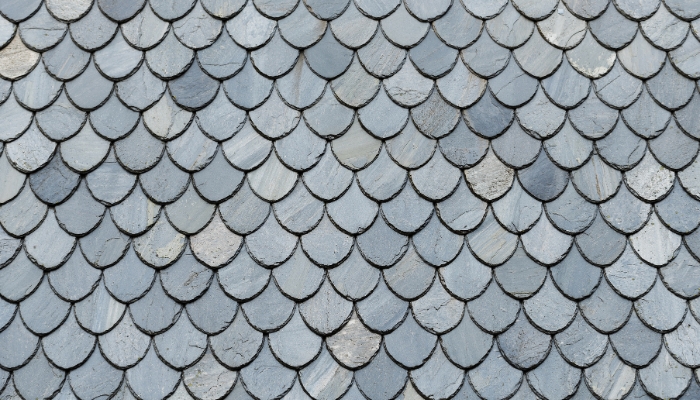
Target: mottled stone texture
{"x": 356, "y": 199}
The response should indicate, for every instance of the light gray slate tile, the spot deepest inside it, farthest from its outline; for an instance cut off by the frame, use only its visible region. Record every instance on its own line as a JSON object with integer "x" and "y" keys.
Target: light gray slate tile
{"x": 580, "y": 344}
{"x": 265, "y": 377}
{"x": 151, "y": 369}
{"x": 575, "y": 276}
{"x": 354, "y": 278}
{"x": 635, "y": 343}
{"x": 538, "y": 57}
{"x": 381, "y": 378}
{"x": 610, "y": 377}
{"x": 494, "y": 319}
{"x": 301, "y": 28}
{"x": 523, "y": 345}
{"x": 485, "y": 57}
{"x": 354, "y": 345}
{"x": 69, "y": 345}
{"x": 324, "y": 378}
{"x": 129, "y": 278}
{"x": 382, "y": 311}
{"x": 481, "y": 377}
{"x": 438, "y": 377}
{"x": 295, "y": 344}
{"x": 403, "y": 28}
{"x": 411, "y": 277}
{"x": 630, "y": 276}
{"x": 155, "y": 312}
{"x": 38, "y": 378}
{"x": 466, "y": 345}
{"x": 520, "y": 276}
{"x": 238, "y": 345}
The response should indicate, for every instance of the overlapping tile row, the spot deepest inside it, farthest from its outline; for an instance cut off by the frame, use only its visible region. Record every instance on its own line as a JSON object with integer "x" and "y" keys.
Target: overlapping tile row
{"x": 349, "y": 199}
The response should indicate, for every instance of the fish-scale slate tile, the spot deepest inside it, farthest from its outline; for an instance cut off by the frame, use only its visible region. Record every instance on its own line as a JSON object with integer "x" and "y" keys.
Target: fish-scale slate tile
{"x": 349, "y": 199}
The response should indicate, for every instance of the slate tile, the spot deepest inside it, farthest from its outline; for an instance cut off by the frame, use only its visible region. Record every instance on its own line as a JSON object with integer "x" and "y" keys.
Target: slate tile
{"x": 38, "y": 378}
{"x": 411, "y": 277}
{"x": 141, "y": 90}
{"x": 75, "y": 279}
{"x": 381, "y": 378}
{"x": 208, "y": 379}
{"x": 520, "y": 276}
{"x": 600, "y": 244}
{"x": 326, "y": 245}
{"x": 580, "y": 344}
{"x": 43, "y": 311}
{"x": 266, "y": 369}
{"x": 84, "y": 151}
{"x": 480, "y": 377}
{"x": 566, "y": 87}
{"x": 17, "y": 60}
{"x": 484, "y": 9}
{"x": 62, "y": 243}
{"x": 658, "y": 380}
{"x": 605, "y": 309}
{"x": 52, "y": 184}
{"x": 118, "y": 59}
{"x": 301, "y": 28}
{"x": 69, "y": 345}
{"x": 328, "y": 58}
{"x": 113, "y": 120}
{"x": 403, "y": 29}
{"x": 465, "y": 277}
{"x": 457, "y": 27}
{"x": 684, "y": 57}
{"x": 353, "y": 345}
{"x": 549, "y": 310}
{"x": 679, "y": 275}
{"x": 444, "y": 382}
{"x": 538, "y": 57}
{"x": 636, "y": 343}
{"x": 509, "y": 29}
{"x": 96, "y": 377}
{"x": 328, "y": 118}
{"x": 382, "y": 311}
{"x": 351, "y": 27}
{"x": 145, "y": 30}
{"x": 687, "y": 331}
{"x": 353, "y": 212}
{"x": 466, "y": 345}
{"x": 20, "y": 278}
{"x": 301, "y": 88}
{"x": 355, "y": 278}
{"x": 535, "y": 10}
{"x": 222, "y": 9}
{"x": 143, "y": 384}
{"x": 630, "y": 276}
{"x": 494, "y": 319}
{"x": 610, "y": 377}
{"x": 554, "y": 378}
{"x": 129, "y": 278}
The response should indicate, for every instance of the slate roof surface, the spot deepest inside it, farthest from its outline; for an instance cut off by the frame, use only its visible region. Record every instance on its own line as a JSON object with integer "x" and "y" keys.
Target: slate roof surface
{"x": 349, "y": 199}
